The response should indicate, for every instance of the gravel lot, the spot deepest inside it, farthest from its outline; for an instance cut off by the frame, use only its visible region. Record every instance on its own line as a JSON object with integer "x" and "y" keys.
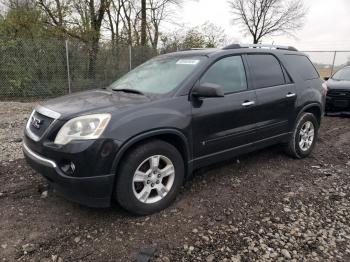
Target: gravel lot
{"x": 263, "y": 206}
{"x": 13, "y": 116}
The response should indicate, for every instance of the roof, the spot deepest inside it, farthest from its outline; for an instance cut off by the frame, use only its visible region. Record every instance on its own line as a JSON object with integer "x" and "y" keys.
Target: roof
{"x": 234, "y": 47}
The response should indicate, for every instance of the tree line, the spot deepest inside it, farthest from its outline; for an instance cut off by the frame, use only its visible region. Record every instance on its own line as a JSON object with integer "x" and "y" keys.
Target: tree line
{"x": 103, "y": 28}
{"x": 105, "y": 23}
{"x": 139, "y": 22}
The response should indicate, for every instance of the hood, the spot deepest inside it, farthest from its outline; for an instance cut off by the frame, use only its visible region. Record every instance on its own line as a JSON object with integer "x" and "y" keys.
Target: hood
{"x": 94, "y": 101}
{"x": 335, "y": 84}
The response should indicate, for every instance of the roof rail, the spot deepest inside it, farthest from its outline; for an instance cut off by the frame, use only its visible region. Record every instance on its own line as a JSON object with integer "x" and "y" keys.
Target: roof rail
{"x": 237, "y": 46}
{"x": 188, "y": 49}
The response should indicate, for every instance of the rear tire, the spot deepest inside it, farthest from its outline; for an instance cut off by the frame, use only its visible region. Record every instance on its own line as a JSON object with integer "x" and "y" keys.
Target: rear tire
{"x": 304, "y": 136}
{"x": 149, "y": 177}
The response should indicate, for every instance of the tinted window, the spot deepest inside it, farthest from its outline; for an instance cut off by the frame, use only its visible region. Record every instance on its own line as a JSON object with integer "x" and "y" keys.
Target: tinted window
{"x": 266, "y": 70}
{"x": 303, "y": 66}
{"x": 342, "y": 74}
{"x": 229, "y": 73}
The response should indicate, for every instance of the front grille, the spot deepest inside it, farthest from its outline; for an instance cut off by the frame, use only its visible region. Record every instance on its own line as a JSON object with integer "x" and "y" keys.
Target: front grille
{"x": 342, "y": 94}
{"x": 38, "y": 124}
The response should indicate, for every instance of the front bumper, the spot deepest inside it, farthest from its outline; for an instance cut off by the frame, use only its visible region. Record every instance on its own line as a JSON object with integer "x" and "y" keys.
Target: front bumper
{"x": 93, "y": 191}
{"x": 337, "y": 106}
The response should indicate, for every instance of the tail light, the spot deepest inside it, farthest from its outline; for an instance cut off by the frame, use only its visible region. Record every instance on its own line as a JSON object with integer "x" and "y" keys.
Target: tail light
{"x": 325, "y": 88}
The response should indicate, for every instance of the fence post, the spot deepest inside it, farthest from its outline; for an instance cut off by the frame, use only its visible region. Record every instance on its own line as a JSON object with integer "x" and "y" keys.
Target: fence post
{"x": 130, "y": 65}
{"x": 68, "y": 70}
{"x": 335, "y": 54}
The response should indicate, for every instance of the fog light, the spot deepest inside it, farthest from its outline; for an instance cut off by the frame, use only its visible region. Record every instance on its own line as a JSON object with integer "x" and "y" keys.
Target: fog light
{"x": 67, "y": 167}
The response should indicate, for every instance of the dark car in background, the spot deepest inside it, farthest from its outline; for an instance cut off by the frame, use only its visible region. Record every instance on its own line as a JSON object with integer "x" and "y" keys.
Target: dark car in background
{"x": 338, "y": 95}
{"x": 139, "y": 139}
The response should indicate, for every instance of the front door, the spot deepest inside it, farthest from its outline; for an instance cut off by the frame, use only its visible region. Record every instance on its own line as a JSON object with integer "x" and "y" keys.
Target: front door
{"x": 222, "y": 123}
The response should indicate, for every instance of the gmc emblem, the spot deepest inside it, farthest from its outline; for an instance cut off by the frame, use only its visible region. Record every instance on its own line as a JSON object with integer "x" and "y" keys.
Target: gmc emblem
{"x": 36, "y": 122}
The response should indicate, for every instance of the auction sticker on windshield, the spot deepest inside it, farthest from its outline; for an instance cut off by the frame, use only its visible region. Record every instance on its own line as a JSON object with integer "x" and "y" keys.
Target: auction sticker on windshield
{"x": 187, "y": 62}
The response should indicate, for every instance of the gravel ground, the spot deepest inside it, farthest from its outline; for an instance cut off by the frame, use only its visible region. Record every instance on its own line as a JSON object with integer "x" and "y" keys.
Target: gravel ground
{"x": 262, "y": 206}
{"x": 13, "y": 116}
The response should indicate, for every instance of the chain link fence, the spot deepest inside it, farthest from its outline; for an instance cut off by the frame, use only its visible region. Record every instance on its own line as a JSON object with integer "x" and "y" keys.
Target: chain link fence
{"x": 328, "y": 62}
{"x": 41, "y": 68}
{"x": 35, "y": 69}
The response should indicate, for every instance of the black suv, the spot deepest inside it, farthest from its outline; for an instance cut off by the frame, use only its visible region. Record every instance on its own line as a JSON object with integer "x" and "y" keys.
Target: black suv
{"x": 139, "y": 139}
{"x": 338, "y": 95}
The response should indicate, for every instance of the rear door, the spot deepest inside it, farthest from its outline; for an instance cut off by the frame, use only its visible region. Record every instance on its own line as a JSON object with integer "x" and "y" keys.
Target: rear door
{"x": 276, "y": 95}
{"x": 222, "y": 123}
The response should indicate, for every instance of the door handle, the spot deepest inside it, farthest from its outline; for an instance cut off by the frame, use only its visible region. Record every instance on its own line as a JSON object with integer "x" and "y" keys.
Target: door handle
{"x": 290, "y": 95}
{"x": 248, "y": 103}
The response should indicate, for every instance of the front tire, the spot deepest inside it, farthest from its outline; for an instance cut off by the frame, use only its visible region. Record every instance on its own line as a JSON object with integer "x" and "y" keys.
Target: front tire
{"x": 304, "y": 136}
{"x": 149, "y": 177}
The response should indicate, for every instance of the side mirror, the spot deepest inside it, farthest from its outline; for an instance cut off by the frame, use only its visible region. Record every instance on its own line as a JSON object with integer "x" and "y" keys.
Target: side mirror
{"x": 207, "y": 90}
{"x": 326, "y": 78}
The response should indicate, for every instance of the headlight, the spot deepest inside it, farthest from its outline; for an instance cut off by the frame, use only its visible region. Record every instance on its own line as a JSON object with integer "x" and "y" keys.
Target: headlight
{"x": 83, "y": 127}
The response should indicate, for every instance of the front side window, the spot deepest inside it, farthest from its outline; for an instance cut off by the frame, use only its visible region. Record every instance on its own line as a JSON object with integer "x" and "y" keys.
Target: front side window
{"x": 159, "y": 75}
{"x": 342, "y": 75}
{"x": 266, "y": 70}
{"x": 228, "y": 73}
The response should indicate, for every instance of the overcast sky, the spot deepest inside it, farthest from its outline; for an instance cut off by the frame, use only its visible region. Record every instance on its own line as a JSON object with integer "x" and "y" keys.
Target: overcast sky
{"x": 327, "y": 25}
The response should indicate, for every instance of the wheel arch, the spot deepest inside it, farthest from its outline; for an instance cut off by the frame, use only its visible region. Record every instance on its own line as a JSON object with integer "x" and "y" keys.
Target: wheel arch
{"x": 171, "y": 136}
{"x": 313, "y": 108}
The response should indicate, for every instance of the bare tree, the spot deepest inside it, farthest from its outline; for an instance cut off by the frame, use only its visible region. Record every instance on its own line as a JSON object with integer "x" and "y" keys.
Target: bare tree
{"x": 127, "y": 8}
{"x": 261, "y": 18}
{"x": 214, "y": 35}
{"x": 143, "y": 22}
{"x": 207, "y": 35}
{"x": 124, "y": 21}
{"x": 130, "y": 21}
{"x": 114, "y": 16}
{"x": 159, "y": 11}
{"x": 79, "y": 19}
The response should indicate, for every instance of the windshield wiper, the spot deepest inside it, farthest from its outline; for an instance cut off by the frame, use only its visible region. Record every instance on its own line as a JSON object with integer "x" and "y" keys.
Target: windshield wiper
{"x": 128, "y": 90}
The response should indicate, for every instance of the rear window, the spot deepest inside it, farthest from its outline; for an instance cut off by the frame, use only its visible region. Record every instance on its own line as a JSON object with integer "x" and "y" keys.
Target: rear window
{"x": 303, "y": 66}
{"x": 266, "y": 70}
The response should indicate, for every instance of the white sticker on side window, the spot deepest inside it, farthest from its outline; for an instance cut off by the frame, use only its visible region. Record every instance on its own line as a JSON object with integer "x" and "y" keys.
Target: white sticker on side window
{"x": 187, "y": 62}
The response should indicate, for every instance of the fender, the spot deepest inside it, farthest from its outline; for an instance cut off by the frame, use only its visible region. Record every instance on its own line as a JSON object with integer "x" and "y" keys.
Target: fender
{"x": 148, "y": 134}
{"x": 307, "y": 107}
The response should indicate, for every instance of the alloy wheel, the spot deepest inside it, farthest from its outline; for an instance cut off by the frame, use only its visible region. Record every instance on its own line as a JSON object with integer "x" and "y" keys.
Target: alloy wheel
{"x": 306, "y": 135}
{"x": 153, "y": 179}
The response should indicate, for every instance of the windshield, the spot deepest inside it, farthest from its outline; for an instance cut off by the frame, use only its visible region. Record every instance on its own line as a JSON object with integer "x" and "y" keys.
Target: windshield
{"x": 159, "y": 75}
{"x": 342, "y": 74}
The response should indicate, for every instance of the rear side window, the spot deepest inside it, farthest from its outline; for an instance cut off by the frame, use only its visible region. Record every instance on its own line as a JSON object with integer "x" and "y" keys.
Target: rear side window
{"x": 266, "y": 70}
{"x": 229, "y": 73}
{"x": 303, "y": 66}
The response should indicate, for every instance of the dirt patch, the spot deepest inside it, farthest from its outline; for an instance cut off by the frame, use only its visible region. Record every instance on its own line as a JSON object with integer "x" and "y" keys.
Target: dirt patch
{"x": 262, "y": 206}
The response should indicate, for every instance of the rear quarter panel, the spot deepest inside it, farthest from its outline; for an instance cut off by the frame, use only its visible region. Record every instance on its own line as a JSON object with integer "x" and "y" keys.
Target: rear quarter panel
{"x": 309, "y": 92}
